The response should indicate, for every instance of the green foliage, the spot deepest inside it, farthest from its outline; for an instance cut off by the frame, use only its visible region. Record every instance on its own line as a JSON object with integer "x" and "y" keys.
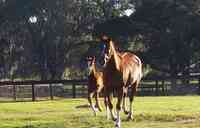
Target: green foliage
{"x": 164, "y": 33}
{"x": 39, "y": 39}
{"x": 169, "y": 31}
{"x": 31, "y": 46}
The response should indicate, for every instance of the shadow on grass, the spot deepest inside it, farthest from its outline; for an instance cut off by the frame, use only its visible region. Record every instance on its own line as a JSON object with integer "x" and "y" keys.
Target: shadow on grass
{"x": 82, "y": 106}
{"x": 43, "y": 125}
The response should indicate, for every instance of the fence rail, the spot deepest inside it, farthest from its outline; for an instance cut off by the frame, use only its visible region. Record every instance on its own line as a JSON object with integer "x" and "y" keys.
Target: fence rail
{"x": 155, "y": 85}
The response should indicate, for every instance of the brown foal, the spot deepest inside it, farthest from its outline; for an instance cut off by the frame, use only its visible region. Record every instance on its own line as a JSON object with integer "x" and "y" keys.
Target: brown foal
{"x": 95, "y": 84}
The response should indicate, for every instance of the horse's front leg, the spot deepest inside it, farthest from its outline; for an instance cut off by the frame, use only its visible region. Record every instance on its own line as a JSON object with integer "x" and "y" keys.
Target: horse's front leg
{"x": 110, "y": 105}
{"x": 97, "y": 102}
{"x": 118, "y": 107}
{"x": 90, "y": 95}
{"x": 107, "y": 108}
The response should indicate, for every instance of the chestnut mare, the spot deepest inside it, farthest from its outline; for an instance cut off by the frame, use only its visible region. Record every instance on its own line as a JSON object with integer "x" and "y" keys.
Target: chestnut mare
{"x": 95, "y": 84}
{"x": 121, "y": 71}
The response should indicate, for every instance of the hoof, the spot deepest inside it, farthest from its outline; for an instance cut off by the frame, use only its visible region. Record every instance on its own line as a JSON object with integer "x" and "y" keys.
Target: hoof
{"x": 95, "y": 109}
{"x": 100, "y": 109}
{"x": 114, "y": 119}
{"x": 117, "y": 126}
{"x": 126, "y": 112}
{"x": 130, "y": 118}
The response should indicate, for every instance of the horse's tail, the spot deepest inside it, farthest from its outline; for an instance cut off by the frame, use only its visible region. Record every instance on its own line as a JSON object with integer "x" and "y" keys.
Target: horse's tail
{"x": 140, "y": 66}
{"x": 141, "y": 70}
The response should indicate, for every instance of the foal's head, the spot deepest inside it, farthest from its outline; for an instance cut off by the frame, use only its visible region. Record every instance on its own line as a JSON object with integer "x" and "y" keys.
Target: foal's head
{"x": 90, "y": 62}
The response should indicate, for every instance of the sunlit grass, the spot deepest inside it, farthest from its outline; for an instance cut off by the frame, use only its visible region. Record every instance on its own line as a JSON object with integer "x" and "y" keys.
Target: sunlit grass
{"x": 150, "y": 112}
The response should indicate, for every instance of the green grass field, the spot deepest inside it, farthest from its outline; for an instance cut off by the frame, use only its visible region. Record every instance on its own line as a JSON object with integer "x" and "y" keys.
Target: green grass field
{"x": 150, "y": 112}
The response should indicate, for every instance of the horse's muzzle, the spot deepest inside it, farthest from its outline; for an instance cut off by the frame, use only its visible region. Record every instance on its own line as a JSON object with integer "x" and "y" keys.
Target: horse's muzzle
{"x": 101, "y": 61}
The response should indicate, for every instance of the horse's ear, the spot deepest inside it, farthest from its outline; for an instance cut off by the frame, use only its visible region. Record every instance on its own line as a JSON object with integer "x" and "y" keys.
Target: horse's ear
{"x": 104, "y": 37}
{"x": 87, "y": 58}
{"x": 109, "y": 39}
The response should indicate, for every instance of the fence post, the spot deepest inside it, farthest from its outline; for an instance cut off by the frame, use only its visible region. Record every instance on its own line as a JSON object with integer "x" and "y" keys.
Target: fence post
{"x": 51, "y": 91}
{"x": 157, "y": 87}
{"x": 74, "y": 90}
{"x": 199, "y": 86}
{"x": 33, "y": 92}
{"x": 14, "y": 93}
{"x": 163, "y": 87}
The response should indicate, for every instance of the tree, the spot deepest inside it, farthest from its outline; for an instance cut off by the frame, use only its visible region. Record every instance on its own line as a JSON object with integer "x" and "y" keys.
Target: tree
{"x": 32, "y": 29}
{"x": 39, "y": 39}
{"x": 167, "y": 43}
{"x": 170, "y": 42}
{"x": 82, "y": 16}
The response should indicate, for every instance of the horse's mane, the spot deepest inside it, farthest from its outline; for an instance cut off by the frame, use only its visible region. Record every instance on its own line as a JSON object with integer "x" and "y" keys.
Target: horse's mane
{"x": 119, "y": 50}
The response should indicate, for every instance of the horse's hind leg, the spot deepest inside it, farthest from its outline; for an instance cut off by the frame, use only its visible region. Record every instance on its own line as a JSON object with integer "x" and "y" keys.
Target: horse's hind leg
{"x": 125, "y": 91}
{"x": 131, "y": 98}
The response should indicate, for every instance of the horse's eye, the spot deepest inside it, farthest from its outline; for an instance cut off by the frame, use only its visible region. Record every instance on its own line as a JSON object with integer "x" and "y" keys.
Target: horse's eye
{"x": 103, "y": 45}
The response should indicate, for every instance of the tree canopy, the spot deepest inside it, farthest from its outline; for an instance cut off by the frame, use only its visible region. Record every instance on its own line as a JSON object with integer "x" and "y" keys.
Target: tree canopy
{"x": 49, "y": 39}
{"x": 168, "y": 31}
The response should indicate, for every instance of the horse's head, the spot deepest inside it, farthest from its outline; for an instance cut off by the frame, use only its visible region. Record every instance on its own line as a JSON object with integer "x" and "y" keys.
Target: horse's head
{"x": 106, "y": 49}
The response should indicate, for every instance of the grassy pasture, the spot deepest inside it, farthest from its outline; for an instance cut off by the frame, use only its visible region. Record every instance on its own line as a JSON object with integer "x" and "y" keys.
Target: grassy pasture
{"x": 150, "y": 112}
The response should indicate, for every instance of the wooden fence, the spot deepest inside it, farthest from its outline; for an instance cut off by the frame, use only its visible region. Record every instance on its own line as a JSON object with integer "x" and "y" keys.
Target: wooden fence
{"x": 49, "y": 83}
{"x": 154, "y": 85}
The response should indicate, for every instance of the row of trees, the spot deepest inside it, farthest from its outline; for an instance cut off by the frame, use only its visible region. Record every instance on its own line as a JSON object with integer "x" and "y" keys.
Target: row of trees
{"x": 49, "y": 39}
{"x": 43, "y": 39}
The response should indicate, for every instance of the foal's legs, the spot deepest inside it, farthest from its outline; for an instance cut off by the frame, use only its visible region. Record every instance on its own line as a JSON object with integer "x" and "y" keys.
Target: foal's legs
{"x": 97, "y": 98}
{"x": 90, "y": 95}
{"x": 97, "y": 102}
